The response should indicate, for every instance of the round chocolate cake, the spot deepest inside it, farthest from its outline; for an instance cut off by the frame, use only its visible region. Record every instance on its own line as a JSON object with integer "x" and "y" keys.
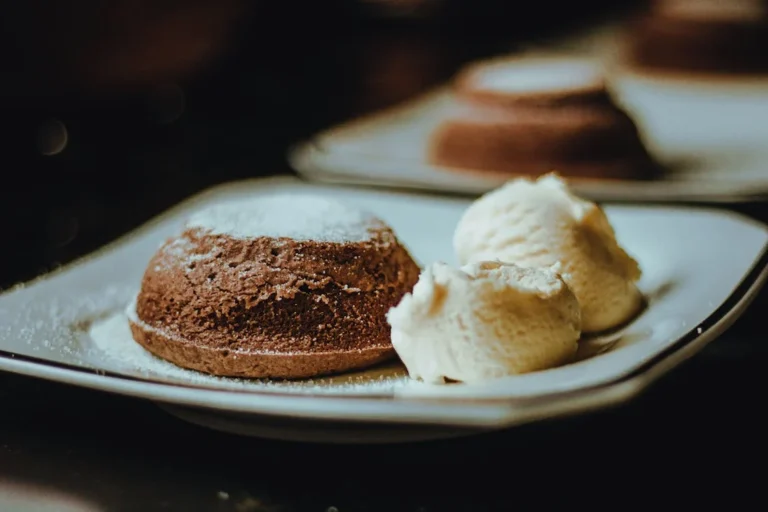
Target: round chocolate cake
{"x": 529, "y": 116}
{"x": 701, "y": 36}
{"x": 287, "y": 286}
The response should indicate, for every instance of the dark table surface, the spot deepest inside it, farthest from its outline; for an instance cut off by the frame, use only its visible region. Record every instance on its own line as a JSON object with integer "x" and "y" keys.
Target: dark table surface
{"x": 126, "y": 161}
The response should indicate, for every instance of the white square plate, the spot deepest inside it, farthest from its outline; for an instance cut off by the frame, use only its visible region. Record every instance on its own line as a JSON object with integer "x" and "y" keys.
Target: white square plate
{"x": 701, "y": 267}
{"x": 710, "y": 135}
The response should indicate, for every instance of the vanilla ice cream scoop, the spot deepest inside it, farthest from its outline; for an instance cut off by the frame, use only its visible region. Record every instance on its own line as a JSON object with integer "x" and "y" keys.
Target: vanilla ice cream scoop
{"x": 485, "y": 320}
{"x": 540, "y": 224}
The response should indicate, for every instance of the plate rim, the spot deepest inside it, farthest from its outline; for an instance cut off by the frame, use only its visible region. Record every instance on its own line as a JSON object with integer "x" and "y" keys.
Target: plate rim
{"x": 301, "y": 156}
{"x": 277, "y": 179}
{"x": 444, "y": 410}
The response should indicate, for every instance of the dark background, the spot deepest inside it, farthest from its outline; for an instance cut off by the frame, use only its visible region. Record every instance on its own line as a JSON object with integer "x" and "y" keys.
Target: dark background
{"x": 162, "y": 99}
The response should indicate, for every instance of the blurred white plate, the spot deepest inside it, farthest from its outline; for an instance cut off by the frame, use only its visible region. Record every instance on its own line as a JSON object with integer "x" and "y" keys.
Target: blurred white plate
{"x": 710, "y": 133}
{"x": 701, "y": 268}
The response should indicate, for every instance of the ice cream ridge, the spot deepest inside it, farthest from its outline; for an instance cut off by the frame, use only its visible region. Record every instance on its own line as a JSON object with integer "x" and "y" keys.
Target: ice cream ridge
{"x": 484, "y": 320}
{"x": 540, "y": 223}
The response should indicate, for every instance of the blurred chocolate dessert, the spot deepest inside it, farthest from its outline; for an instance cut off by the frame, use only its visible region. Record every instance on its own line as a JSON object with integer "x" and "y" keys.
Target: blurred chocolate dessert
{"x": 529, "y": 116}
{"x": 705, "y": 36}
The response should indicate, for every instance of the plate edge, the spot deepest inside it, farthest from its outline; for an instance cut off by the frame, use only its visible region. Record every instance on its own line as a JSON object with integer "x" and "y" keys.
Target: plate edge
{"x": 508, "y": 411}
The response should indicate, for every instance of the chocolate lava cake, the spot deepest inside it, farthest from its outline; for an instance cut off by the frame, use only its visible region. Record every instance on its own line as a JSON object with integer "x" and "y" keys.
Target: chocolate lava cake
{"x": 706, "y": 37}
{"x": 529, "y": 116}
{"x": 289, "y": 286}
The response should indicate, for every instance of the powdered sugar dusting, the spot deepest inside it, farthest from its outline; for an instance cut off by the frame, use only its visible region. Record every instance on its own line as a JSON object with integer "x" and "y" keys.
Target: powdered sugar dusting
{"x": 296, "y": 216}
{"x": 117, "y": 351}
{"x": 183, "y": 250}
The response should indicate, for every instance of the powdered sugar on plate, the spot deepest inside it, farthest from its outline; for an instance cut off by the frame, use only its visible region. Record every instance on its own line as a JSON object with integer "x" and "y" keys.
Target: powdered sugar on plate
{"x": 119, "y": 353}
{"x": 297, "y": 216}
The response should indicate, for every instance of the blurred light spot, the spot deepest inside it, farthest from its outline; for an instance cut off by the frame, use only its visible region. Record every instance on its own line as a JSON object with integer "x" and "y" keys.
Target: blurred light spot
{"x": 249, "y": 504}
{"x": 167, "y": 103}
{"x": 62, "y": 229}
{"x": 52, "y": 137}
